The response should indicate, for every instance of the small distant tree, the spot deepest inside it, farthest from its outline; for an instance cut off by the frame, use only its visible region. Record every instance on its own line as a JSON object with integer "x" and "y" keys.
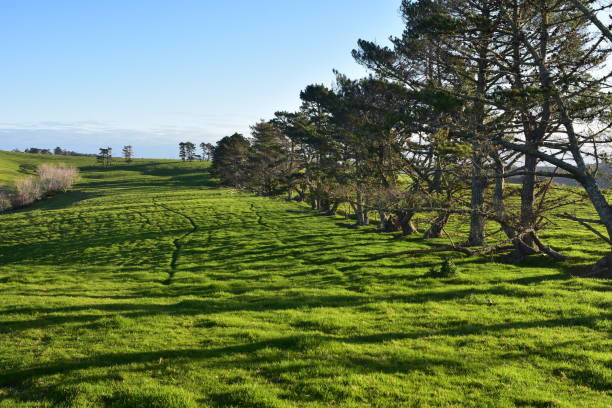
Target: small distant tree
{"x": 58, "y": 151}
{"x": 190, "y": 151}
{"x": 207, "y": 151}
{"x": 105, "y": 156}
{"x": 182, "y": 153}
{"x": 128, "y": 153}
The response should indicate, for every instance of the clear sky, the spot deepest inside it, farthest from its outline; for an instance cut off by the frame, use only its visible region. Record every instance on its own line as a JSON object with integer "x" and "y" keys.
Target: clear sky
{"x": 84, "y": 74}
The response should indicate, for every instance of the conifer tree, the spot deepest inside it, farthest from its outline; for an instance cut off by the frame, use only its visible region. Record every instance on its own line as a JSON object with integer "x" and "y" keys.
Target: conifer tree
{"x": 128, "y": 153}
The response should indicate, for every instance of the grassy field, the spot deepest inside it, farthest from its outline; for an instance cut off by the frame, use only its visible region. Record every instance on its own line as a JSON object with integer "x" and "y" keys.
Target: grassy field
{"x": 148, "y": 286}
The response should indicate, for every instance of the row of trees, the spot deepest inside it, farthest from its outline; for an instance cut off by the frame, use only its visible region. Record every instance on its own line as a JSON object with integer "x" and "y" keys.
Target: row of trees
{"x": 473, "y": 93}
{"x": 105, "y": 155}
{"x": 187, "y": 151}
{"x": 57, "y": 151}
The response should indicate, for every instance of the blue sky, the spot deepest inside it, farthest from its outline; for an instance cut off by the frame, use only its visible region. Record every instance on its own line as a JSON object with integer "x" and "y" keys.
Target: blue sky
{"x": 84, "y": 74}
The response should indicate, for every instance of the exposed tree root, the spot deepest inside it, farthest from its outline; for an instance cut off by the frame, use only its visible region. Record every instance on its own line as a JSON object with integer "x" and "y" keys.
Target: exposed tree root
{"x": 503, "y": 246}
{"x": 602, "y": 269}
{"x": 450, "y": 248}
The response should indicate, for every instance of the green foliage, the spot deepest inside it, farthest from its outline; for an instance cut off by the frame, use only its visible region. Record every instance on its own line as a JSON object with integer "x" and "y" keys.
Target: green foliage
{"x": 440, "y": 99}
{"x": 272, "y": 306}
{"x": 445, "y": 146}
{"x": 229, "y": 159}
{"x": 446, "y": 269}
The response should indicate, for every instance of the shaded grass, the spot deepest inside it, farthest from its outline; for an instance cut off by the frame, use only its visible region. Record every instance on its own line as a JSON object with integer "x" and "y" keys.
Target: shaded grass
{"x": 271, "y": 306}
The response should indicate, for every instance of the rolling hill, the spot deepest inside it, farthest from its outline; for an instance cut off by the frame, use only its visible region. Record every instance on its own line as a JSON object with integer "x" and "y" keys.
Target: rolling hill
{"x": 150, "y": 286}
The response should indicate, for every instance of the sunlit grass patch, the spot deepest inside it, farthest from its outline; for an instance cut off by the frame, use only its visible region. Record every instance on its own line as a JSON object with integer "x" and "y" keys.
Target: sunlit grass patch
{"x": 290, "y": 312}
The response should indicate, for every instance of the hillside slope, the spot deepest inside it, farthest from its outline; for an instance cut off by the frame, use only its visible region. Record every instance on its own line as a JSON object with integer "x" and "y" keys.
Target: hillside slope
{"x": 13, "y": 165}
{"x": 149, "y": 286}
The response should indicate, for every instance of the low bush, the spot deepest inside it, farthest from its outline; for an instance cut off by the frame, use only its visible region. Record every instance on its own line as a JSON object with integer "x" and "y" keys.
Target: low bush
{"x": 27, "y": 190}
{"x": 447, "y": 269}
{"x": 5, "y": 201}
{"x": 50, "y": 178}
{"x": 57, "y": 177}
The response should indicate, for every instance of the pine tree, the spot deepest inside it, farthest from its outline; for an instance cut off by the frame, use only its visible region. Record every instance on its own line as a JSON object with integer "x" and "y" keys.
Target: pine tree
{"x": 127, "y": 153}
{"x": 182, "y": 151}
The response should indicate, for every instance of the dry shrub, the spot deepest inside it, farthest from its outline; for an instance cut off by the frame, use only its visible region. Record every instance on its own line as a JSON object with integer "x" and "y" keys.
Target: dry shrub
{"x": 5, "y": 201}
{"x": 27, "y": 190}
{"x": 57, "y": 177}
{"x": 51, "y": 178}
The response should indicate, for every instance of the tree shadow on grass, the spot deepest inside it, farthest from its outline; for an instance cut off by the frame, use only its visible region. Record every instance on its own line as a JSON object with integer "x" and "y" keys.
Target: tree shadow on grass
{"x": 65, "y": 251}
{"x": 64, "y": 200}
{"x": 27, "y": 169}
{"x": 307, "y": 342}
{"x": 56, "y": 201}
{"x": 175, "y": 173}
{"x": 246, "y": 302}
{"x": 228, "y": 359}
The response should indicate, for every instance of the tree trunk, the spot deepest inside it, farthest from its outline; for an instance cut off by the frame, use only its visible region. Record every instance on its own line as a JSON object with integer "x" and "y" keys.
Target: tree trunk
{"x": 603, "y": 268}
{"x": 438, "y": 224}
{"x": 527, "y": 220}
{"x": 498, "y": 198}
{"x": 599, "y": 202}
{"x": 406, "y": 224}
{"x": 359, "y": 216}
{"x": 479, "y": 181}
{"x": 382, "y": 222}
{"x": 477, "y": 219}
{"x": 324, "y": 205}
{"x": 333, "y": 209}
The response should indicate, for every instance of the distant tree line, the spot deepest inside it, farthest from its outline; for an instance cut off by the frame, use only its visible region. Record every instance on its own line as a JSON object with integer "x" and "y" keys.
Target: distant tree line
{"x": 104, "y": 156}
{"x": 57, "y": 151}
{"x": 471, "y": 94}
{"x": 188, "y": 151}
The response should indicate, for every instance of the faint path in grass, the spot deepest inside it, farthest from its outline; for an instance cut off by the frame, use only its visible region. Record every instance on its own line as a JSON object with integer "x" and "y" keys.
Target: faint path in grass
{"x": 178, "y": 242}
{"x": 260, "y": 220}
{"x": 144, "y": 216}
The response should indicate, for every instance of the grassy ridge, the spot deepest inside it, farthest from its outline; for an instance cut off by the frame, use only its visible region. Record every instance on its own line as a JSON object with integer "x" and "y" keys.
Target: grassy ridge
{"x": 148, "y": 286}
{"x": 13, "y": 165}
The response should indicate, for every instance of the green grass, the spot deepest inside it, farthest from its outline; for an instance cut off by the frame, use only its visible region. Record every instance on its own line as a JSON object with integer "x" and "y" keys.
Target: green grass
{"x": 148, "y": 286}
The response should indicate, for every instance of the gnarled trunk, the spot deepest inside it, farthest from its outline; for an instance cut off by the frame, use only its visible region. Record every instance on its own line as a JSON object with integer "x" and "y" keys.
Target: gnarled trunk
{"x": 333, "y": 209}
{"x": 406, "y": 224}
{"x": 603, "y": 268}
{"x": 437, "y": 226}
